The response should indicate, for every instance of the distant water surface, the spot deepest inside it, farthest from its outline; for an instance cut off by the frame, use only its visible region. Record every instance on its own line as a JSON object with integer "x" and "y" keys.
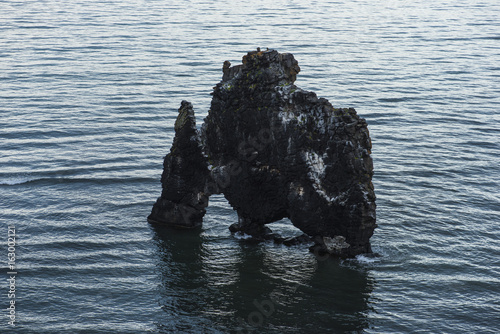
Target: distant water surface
{"x": 89, "y": 92}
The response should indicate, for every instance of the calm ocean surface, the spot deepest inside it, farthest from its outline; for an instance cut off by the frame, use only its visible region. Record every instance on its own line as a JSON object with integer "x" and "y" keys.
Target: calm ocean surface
{"x": 89, "y": 92}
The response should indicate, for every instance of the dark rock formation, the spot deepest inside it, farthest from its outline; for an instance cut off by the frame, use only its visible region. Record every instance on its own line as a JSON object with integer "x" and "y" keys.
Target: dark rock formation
{"x": 185, "y": 174}
{"x": 274, "y": 151}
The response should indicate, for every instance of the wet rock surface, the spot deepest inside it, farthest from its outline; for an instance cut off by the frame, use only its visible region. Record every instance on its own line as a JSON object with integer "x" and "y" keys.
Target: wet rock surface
{"x": 275, "y": 151}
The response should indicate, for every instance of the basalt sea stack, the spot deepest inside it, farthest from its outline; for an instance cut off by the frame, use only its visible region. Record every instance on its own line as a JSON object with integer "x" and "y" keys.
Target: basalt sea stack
{"x": 274, "y": 151}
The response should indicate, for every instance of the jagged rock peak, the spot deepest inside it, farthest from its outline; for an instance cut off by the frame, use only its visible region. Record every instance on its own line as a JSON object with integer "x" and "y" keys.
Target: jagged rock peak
{"x": 266, "y": 66}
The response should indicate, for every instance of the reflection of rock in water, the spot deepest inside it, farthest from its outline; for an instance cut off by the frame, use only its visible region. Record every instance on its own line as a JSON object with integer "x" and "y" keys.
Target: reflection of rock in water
{"x": 275, "y": 151}
{"x": 217, "y": 286}
{"x": 182, "y": 281}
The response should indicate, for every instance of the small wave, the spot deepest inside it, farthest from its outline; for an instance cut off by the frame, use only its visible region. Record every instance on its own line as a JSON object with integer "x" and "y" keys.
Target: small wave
{"x": 490, "y": 37}
{"x": 16, "y": 180}
{"x": 367, "y": 259}
{"x": 242, "y": 236}
{"x": 25, "y": 180}
{"x": 395, "y": 99}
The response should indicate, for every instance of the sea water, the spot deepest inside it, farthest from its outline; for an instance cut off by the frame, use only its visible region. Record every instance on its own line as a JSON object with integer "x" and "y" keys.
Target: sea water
{"x": 89, "y": 92}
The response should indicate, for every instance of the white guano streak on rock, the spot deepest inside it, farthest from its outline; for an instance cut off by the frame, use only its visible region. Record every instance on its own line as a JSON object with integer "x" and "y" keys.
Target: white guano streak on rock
{"x": 316, "y": 172}
{"x": 286, "y": 116}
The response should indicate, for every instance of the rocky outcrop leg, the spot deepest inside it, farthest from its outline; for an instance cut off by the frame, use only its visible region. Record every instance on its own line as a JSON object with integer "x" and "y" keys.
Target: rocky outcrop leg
{"x": 185, "y": 173}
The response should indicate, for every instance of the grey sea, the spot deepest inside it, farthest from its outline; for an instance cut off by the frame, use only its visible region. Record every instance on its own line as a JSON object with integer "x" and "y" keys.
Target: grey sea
{"x": 89, "y": 92}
